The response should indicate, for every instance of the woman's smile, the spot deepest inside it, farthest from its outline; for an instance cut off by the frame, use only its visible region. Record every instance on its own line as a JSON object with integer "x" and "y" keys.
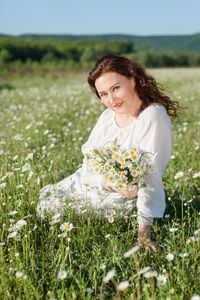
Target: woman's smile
{"x": 118, "y": 105}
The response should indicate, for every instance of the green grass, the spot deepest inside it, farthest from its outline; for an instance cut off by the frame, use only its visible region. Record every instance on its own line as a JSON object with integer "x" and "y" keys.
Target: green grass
{"x": 52, "y": 117}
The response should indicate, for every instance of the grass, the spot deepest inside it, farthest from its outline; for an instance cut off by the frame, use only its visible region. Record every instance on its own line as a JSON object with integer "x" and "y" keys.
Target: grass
{"x": 51, "y": 117}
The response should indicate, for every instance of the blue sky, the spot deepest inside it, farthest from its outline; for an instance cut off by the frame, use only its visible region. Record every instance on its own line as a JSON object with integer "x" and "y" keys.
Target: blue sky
{"x": 137, "y": 17}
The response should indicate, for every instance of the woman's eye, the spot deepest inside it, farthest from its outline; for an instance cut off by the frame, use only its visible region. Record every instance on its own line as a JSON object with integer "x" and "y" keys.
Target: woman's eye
{"x": 116, "y": 87}
{"x": 102, "y": 95}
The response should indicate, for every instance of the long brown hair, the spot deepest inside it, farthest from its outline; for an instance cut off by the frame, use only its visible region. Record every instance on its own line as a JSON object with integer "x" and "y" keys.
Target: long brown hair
{"x": 148, "y": 90}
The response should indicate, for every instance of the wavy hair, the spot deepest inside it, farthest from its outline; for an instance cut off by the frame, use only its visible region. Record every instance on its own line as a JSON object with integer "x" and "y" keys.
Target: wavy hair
{"x": 148, "y": 90}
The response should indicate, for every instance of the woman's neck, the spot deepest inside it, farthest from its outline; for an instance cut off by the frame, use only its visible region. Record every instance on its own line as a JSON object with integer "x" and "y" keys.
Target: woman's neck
{"x": 133, "y": 112}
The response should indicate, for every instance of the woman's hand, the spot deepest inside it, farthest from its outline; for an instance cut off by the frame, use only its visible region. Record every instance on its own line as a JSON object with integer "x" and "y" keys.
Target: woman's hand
{"x": 128, "y": 194}
{"x": 144, "y": 239}
{"x": 107, "y": 186}
{"x": 149, "y": 245}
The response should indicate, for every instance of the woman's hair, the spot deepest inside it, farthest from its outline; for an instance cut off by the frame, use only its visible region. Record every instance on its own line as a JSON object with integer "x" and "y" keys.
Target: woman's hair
{"x": 148, "y": 90}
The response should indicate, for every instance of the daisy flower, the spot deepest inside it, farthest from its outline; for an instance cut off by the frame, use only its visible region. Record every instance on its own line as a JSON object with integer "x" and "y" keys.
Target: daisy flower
{"x": 12, "y": 234}
{"x": 112, "y": 212}
{"x": 30, "y": 174}
{"x": 173, "y": 229}
{"x": 2, "y": 185}
{"x": 169, "y": 257}
{"x": 193, "y": 238}
{"x": 102, "y": 267}
{"x": 89, "y": 290}
{"x": 109, "y": 276}
{"x": 21, "y": 223}
{"x": 195, "y": 297}
{"x": 197, "y": 231}
{"x": 183, "y": 255}
{"x": 66, "y": 226}
{"x": 9, "y": 174}
{"x": 13, "y": 228}
{"x": 150, "y": 274}
{"x": 131, "y": 251}
{"x": 11, "y": 213}
{"x": 64, "y": 234}
{"x": 178, "y": 175}
{"x": 162, "y": 279}
{"x": 29, "y": 156}
{"x": 110, "y": 219}
{"x": 144, "y": 270}
{"x": 62, "y": 274}
{"x": 196, "y": 175}
{"x": 122, "y": 285}
{"x": 18, "y": 274}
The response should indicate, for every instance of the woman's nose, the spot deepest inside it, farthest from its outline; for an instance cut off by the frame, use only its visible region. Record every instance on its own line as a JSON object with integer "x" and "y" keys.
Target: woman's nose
{"x": 111, "y": 99}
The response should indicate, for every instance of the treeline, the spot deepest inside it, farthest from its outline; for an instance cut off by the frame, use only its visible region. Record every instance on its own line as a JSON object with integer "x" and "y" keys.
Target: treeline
{"x": 18, "y": 52}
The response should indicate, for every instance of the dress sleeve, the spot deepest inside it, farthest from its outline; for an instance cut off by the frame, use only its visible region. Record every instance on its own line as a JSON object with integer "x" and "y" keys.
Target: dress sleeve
{"x": 92, "y": 179}
{"x": 154, "y": 137}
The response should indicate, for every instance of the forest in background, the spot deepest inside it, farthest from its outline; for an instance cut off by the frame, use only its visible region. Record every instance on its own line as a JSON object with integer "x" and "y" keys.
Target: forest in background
{"x": 159, "y": 42}
{"x": 36, "y": 53}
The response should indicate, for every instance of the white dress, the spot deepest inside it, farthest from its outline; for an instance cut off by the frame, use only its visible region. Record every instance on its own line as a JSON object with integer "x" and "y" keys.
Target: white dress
{"x": 150, "y": 131}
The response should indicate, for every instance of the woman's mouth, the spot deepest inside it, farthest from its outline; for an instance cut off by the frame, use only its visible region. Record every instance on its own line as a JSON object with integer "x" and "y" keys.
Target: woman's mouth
{"x": 118, "y": 105}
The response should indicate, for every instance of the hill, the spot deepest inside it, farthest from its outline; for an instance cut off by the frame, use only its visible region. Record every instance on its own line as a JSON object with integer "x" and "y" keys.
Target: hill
{"x": 162, "y": 42}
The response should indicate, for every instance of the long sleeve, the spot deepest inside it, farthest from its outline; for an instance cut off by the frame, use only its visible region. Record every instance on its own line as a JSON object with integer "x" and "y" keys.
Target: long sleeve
{"x": 155, "y": 137}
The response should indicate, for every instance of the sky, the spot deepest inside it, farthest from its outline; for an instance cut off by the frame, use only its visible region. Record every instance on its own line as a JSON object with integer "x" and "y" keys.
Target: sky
{"x": 135, "y": 17}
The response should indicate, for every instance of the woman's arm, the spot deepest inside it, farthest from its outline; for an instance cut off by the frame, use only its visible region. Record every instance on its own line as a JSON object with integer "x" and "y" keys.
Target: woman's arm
{"x": 155, "y": 137}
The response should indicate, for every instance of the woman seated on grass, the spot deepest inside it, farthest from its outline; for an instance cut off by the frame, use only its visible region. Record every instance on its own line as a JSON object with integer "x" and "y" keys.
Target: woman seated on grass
{"x": 137, "y": 115}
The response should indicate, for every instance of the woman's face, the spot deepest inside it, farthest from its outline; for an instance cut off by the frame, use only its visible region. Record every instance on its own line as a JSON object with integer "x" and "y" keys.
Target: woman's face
{"x": 117, "y": 92}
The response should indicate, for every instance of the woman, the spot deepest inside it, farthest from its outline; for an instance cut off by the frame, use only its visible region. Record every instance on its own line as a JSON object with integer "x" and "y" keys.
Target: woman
{"x": 137, "y": 114}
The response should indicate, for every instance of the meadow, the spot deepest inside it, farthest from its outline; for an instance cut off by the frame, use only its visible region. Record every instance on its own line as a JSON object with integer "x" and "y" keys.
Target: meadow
{"x": 44, "y": 121}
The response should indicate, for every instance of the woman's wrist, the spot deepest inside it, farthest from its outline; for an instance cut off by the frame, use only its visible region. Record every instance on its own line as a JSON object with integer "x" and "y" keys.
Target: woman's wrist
{"x": 144, "y": 232}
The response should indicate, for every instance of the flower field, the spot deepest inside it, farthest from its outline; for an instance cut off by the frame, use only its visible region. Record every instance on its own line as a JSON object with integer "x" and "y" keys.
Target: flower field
{"x": 44, "y": 122}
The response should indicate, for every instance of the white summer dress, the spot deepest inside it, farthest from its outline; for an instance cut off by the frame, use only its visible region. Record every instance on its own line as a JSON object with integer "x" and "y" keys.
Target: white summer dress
{"x": 150, "y": 131}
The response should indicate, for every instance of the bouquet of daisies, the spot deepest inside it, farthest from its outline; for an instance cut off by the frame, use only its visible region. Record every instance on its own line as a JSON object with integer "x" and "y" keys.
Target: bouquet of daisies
{"x": 121, "y": 168}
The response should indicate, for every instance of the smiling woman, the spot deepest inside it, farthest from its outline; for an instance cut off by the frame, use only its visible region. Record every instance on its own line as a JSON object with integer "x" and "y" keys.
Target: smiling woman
{"x": 120, "y": 95}
{"x": 137, "y": 115}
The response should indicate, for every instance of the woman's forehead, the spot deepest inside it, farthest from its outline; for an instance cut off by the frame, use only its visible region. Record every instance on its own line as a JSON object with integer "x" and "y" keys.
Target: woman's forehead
{"x": 108, "y": 79}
